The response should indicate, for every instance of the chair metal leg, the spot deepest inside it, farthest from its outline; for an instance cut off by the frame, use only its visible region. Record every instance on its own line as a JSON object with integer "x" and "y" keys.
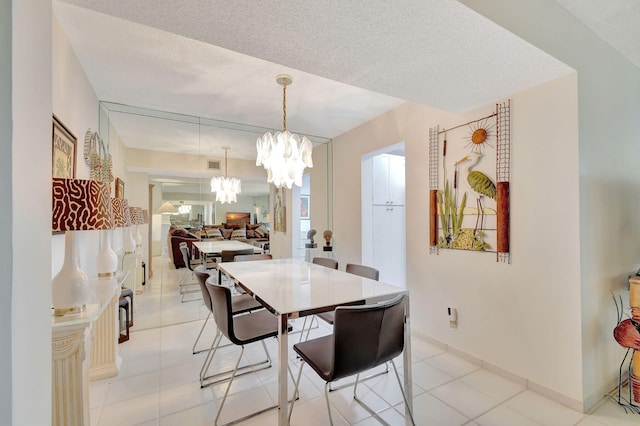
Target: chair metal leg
{"x": 386, "y": 370}
{"x": 308, "y": 330}
{"x": 326, "y": 397}
{"x": 185, "y": 283}
{"x": 371, "y": 411}
{"x": 230, "y": 379}
{"x": 199, "y": 335}
{"x": 226, "y": 392}
{"x": 404, "y": 396}
{"x": 206, "y": 380}
{"x": 295, "y": 391}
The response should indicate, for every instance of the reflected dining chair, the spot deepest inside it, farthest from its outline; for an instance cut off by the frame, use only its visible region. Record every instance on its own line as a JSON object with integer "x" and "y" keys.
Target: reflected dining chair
{"x": 187, "y": 279}
{"x": 363, "y": 337}
{"x": 229, "y": 255}
{"x": 240, "y": 330}
{"x": 240, "y": 304}
{"x": 250, "y": 257}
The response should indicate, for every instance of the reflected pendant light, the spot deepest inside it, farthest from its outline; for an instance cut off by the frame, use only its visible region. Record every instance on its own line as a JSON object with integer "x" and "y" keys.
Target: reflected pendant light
{"x": 284, "y": 155}
{"x": 226, "y": 188}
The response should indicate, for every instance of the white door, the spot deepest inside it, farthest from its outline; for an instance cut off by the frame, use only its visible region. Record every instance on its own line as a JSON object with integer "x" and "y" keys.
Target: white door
{"x": 383, "y": 213}
{"x": 388, "y": 243}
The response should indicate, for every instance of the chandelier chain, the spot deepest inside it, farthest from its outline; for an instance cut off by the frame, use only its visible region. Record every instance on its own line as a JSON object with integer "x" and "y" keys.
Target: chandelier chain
{"x": 225, "y": 161}
{"x": 284, "y": 106}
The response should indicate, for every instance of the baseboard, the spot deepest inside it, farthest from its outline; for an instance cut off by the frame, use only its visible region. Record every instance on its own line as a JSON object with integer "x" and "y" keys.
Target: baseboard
{"x": 528, "y": 384}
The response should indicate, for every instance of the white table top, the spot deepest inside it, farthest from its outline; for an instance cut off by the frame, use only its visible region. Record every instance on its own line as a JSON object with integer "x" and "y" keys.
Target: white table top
{"x": 297, "y": 288}
{"x": 216, "y": 246}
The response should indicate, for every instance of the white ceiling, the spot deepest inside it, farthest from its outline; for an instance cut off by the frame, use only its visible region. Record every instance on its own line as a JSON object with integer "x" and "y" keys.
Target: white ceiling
{"x": 350, "y": 63}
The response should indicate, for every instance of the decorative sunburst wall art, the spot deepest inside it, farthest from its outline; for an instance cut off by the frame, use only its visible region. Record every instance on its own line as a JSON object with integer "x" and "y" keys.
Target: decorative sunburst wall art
{"x": 469, "y": 173}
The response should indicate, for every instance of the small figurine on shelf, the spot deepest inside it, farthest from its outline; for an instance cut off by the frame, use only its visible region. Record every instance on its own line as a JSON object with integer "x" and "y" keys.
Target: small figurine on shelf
{"x": 327, "y": 237}
{"x": 310, "y": 234}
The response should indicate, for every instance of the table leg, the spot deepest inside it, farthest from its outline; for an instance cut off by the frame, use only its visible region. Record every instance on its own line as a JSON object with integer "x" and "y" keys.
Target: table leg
{"x": 283, "y": 360}
{"x": 408, "y": 387}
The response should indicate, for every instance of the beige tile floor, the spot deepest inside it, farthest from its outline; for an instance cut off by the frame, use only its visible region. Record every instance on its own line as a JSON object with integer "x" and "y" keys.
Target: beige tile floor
{"x": 158, "y": 381}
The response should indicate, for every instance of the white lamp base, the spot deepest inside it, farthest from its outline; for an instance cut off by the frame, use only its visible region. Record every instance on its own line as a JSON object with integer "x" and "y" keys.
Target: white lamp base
{"x": 106, "y": 260}
{"x": 70, "y": 287}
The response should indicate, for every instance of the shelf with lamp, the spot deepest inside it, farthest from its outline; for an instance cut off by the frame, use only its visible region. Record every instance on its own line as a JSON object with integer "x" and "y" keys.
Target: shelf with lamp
{"x": 82, "y": 306}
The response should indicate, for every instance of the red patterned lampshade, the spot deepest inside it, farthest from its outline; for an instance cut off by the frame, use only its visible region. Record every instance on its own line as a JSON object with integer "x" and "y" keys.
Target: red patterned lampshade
{"x": 77, "y": 205}
{"x": 120, "y": 212}
{"x": 137, "y": 217}
{"x": 80, "y": 205}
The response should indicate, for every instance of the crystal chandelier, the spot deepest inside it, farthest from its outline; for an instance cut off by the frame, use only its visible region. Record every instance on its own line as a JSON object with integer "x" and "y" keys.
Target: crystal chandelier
{"x": 284, "y": 155}
{"x": 226, "y": 188}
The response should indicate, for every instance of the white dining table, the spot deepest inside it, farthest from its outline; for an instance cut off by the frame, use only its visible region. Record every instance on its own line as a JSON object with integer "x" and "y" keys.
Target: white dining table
{"x": 293, "y": 288}
{"x": 216, "y": 246}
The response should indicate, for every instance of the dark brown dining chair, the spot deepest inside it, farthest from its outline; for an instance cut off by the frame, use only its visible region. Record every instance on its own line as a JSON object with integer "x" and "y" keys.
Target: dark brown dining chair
{"x": 325, "y": 261}
{"x": 240, "y": 330}
{"x": 240, "y": 304}
{"x": 352, "y": 268}
{"x": 250, "y": 257}
{"x": 229, "y": 255}
{"x": 363, "y": 337}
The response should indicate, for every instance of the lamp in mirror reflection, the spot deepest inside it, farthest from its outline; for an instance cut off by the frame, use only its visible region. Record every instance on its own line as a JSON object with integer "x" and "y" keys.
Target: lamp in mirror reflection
{"x": 284, "y": 155}
{"x": 129, "y": 243}
{"x": 77, "y": 205}
{"x": 137, "y": 219}
{"x": 226, "y": 188}
{"x": 167, "y": 207}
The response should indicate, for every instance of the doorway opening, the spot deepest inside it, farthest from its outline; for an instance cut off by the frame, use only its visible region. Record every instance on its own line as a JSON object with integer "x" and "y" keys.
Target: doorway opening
{"x": 383, "y": 213}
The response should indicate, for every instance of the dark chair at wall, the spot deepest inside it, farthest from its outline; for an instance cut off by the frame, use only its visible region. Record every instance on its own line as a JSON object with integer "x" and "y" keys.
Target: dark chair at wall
{"x": 124, "y": 309}
{"x": 240, "y": 304}
{"x": 325, "y": 261}
{"x": 363, "y": 337}
{"x": 250, "y": 257}
{"x": 128, "y": 293}
{"x": 352, "y": 268}
{"x": 240, "y": 330}
{"x": 229, "y": 255}
{"x": 328, "y": 263}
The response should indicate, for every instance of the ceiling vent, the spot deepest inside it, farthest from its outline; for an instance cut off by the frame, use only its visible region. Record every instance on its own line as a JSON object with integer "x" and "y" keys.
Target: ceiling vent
{"x": 213, "y": 164}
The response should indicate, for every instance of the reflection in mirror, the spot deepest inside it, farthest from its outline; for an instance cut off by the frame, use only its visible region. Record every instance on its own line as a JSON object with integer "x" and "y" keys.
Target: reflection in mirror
{"x": 179, "y": 154}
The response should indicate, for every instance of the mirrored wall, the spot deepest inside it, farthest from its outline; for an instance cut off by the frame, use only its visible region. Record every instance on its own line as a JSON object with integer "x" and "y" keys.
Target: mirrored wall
{"x": 178, "y": 155}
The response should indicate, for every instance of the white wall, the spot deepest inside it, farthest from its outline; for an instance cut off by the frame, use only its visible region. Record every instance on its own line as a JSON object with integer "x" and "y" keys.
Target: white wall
{"x": 6, "y": 214}
{"x": 30, "y": 343}
{"x": 76, "y": 105}
{"x": 524, "y": 317}
{"x": 609, "y": 113}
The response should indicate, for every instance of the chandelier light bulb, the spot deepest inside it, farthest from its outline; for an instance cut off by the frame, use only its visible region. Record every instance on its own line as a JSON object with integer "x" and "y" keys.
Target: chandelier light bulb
{"x": 226, "y": 188}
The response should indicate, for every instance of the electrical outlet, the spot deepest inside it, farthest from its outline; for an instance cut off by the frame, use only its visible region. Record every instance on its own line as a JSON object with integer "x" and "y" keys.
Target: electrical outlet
{"x": 453, "y": 317}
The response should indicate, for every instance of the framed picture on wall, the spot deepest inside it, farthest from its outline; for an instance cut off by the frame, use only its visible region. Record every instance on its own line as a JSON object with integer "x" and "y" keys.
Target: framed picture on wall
{"x": 304, "y": 207}
{"x": 119, "y": 188}
{"x": 279, "y": 211}
{"x": 63, "y": 145}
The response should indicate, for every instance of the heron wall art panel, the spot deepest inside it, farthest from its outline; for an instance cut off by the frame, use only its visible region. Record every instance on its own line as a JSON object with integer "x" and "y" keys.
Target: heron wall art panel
{"x": 469, "y": 173}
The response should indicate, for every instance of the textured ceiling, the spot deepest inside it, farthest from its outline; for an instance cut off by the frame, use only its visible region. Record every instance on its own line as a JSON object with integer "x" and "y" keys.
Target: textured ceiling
{"x": 615, "y": 21}
{"x": 350, "y": 61}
